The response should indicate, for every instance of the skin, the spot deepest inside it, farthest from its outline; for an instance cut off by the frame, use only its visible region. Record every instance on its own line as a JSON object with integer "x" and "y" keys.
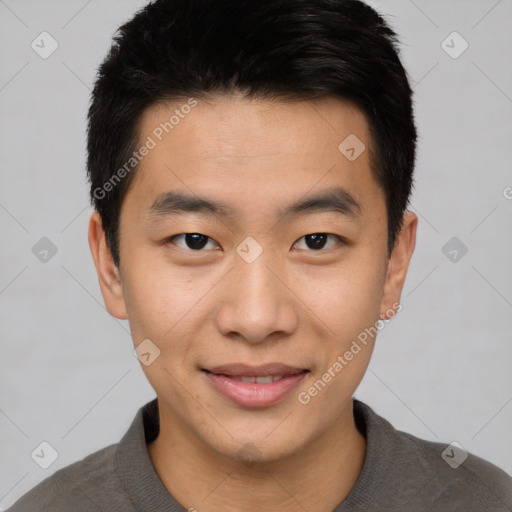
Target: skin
{"x": 293, "y": 304}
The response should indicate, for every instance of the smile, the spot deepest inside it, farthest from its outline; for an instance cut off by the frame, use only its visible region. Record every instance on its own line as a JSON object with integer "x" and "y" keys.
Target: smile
{"x": 253, "y": 386}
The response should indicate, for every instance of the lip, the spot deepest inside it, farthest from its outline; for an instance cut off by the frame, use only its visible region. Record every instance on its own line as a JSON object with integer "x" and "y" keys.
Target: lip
{"x": 249, "y": 394}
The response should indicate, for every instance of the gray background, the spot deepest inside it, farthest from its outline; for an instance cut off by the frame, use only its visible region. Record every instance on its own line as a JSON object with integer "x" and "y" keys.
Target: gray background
{"x": 441, "y": 369}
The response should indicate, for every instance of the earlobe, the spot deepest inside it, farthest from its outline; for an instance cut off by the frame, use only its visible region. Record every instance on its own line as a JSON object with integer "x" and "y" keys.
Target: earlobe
{"x": 398, "y": 265}
{"x": 109, "y": 277}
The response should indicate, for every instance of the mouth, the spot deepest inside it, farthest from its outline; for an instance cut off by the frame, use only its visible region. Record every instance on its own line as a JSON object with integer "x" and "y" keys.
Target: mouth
{"x": 254, "y": 386}
{"x": 262, "y": 379}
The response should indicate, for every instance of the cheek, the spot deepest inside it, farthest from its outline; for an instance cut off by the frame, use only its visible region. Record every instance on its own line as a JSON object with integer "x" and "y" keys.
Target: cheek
{"x": 346, "y": 298}
{"x": 348, "y": 302}
{"x": 160, "y": 299}
{"x": 148, "y": 294}
{"x": 159, "y": 306}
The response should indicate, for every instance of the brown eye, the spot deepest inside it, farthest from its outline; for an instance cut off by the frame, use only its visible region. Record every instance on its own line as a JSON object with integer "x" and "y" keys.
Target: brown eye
{"x": 191, "y": 241}
{"x": 317, "y": 241}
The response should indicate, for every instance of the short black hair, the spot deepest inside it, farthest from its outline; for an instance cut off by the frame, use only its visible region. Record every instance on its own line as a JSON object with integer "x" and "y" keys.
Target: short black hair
{"x": 289, "y": 49}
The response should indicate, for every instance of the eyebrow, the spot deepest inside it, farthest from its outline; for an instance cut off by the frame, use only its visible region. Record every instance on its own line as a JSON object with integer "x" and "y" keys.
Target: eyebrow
{"x": 334, "y": 200}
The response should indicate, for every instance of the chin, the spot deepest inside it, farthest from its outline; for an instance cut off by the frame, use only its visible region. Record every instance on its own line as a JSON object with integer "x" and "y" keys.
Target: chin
{"x": 260, "y": 448}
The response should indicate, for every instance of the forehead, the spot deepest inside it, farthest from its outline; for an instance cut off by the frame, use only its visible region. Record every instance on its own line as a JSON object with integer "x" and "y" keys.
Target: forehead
{"x": 256, "y": 151}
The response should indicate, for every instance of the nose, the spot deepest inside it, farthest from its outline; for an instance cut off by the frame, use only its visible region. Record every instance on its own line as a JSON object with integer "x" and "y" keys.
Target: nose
{"x": 258, "y": 303}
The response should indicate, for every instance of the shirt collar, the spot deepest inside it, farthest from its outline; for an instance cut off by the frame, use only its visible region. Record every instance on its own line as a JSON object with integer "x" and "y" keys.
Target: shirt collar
{"x": 135, "y": 469}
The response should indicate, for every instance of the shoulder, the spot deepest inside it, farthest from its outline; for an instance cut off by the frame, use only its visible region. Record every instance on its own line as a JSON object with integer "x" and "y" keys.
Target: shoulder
{"x": 440, "y": 476}
{"x": 89, "y": 484}
{"x": 457, "y": 476}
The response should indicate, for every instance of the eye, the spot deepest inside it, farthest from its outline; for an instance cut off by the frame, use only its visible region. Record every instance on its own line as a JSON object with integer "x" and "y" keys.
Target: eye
{"x": 192, "y": 241}
{"x": 317, "y": 241}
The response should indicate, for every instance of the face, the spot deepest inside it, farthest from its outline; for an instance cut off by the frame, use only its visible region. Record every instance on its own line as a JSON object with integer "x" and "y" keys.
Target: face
{"x": 253, "y": 254}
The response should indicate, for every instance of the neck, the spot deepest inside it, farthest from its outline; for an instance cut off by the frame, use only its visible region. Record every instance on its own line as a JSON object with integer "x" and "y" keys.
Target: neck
{"x": 318, "y": 477}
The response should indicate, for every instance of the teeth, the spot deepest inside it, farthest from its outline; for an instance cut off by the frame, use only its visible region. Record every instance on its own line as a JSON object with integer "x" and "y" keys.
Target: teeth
{"x": 264, "y": 380}
{"x": 267, "y": 379}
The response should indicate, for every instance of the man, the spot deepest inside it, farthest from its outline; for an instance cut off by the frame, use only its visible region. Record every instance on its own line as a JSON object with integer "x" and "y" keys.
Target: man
{"x": 250, "y": 167}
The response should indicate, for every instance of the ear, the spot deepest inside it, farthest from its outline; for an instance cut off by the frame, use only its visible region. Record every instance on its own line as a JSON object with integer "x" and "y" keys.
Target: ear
{"x": 109, "y": 276}
{"x": 398, "y": 264}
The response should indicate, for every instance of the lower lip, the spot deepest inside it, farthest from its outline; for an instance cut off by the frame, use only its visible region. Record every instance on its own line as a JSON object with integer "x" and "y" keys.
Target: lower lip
{"x": 251, "y": 394}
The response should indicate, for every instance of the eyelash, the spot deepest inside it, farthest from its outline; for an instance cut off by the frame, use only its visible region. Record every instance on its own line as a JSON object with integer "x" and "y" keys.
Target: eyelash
{"x": 339, "y": 238}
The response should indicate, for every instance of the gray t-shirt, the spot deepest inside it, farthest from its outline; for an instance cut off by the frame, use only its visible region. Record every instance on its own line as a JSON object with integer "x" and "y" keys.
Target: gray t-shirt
{"x": 401, "y": 473}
